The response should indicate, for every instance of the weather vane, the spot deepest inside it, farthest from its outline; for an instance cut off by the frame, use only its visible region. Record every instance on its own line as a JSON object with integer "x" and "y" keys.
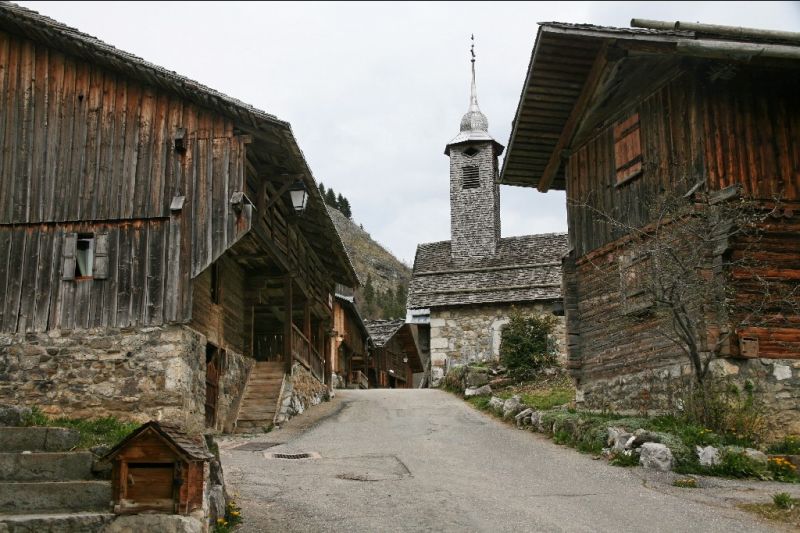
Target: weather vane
{"x": 472, "y": 48}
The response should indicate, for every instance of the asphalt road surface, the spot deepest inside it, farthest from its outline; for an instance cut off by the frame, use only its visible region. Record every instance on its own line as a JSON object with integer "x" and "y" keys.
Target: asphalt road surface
{"x": 424, "y": 460}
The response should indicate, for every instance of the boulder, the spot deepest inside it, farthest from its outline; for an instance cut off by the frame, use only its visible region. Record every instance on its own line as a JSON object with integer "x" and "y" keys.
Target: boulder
{"x": 755, "y": 455}
{"x": 617, "y": 438}
{"x": 512, "y": 406}
{"x": 478, "y": 391}
{"x": 496, "y": 404}
{"x": 656, "y": 456}
{"x": 216, "y": 503}
{"x": 536, "y": 420}
{"x": 707, "y": 456}
{"x": 524, "y": 417}
{"x": 476, "y": 377}
{"x": 639, "y": 437}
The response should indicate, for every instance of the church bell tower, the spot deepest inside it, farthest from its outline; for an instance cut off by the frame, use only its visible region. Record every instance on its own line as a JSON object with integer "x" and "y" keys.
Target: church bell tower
{"x": 474, "y": 188}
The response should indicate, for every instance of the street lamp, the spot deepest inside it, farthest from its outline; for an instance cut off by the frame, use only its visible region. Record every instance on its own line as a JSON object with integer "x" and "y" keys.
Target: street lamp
{"x": 299, "y": 196}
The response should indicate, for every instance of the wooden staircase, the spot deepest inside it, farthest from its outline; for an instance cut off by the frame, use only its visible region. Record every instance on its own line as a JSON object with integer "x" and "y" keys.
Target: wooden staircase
{"x": 261, "y": 396}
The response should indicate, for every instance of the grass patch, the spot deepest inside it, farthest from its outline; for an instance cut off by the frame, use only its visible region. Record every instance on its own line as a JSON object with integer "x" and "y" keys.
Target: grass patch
{"x": 624, "y": 459}
{"x": 790, "y": 445}
{"x": 771, "y": 511}
{"x": 233, "y": 517}
{"x": 541, "y": 400}
{"x": 480, "y": 402}
{"x": 107, "y": 431}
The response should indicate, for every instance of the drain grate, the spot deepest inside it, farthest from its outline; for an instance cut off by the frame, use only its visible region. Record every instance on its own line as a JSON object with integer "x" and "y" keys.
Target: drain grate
{"x": 291, "y": 455}
{"x": 306, "y": 455}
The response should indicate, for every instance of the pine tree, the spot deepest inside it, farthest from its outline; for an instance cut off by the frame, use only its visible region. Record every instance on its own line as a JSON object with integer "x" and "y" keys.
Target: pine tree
{"x": 330, "y": 198}
{"x": 344, "y": 207}
{"x": 321, "y": 189}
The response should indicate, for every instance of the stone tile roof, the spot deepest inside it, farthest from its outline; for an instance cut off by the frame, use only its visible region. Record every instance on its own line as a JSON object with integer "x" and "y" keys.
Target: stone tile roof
{"x": 381, "y": 331}
{"x": 524, "y": 269}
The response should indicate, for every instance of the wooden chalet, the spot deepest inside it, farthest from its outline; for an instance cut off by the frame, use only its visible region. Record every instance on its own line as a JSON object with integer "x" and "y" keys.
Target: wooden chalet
{"x": 350, "y": 343}
{"x": 616, "y": 116}
{"x": 133, "y": 198}
{"x": 395, "y": 357}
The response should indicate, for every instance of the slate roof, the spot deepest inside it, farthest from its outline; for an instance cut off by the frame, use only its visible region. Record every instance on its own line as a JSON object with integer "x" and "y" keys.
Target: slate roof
{"x": 381, "y": 331}
{"x": 524, "y": 269}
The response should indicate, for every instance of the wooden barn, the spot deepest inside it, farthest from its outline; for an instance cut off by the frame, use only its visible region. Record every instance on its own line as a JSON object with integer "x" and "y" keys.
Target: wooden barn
{"x": 350, "y": 344}
{"x": 395, "y": 357}
{"x": 621, "y": 117}
{"x": 159, "y": 241}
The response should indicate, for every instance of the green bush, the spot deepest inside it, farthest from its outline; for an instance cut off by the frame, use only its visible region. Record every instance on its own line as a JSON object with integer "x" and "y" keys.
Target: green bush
{"x": 626, "y": 458}
{"x": 720, "y": 406}
{"x": 734, "y": 463}
{"x": 783, "y": 500}
{"x": 790, "y": 445}
{"x": 525, "y": 346}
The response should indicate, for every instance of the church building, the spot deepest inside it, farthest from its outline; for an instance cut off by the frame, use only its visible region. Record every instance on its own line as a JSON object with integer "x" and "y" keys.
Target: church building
{"x": 467, "y": 287}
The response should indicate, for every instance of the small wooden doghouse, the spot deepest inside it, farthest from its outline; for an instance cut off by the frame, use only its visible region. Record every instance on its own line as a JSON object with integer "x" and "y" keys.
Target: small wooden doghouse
{"x": 158, "y": 467}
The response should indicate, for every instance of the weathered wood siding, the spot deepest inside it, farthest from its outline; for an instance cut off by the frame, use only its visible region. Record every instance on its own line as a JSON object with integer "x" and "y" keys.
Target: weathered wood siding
{"x": 671, "y": 141}
{"x": 745, "y": 131}
{"x": 227, "y": 324}
{"x": 34, "y": 297}
{"x": 82, "y": 143}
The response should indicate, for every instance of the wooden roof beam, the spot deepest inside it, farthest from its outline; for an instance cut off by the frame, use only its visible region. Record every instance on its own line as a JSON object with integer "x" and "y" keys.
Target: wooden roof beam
{"x": 592, "y": 81}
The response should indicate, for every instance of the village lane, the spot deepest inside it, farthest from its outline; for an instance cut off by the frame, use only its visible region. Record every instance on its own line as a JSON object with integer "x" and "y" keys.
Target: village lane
{"x": 423, "y": 460}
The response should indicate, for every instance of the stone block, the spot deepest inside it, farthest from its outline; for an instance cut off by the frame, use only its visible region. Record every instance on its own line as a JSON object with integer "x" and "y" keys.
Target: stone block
{"x": 54, "y": 496}
{"x": 655, "y": 456}
{"x": 478, "y": 391}
{"x": 37, "y": 439}
{"x": 782, "y": 372}
{"x": 155, "y": 523}
{"x": 55, "y": 466}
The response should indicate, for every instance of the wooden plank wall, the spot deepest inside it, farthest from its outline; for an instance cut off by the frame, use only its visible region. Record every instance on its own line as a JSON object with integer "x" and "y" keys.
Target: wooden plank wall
{"x": 81, "y": 143}
{"x": 671, "y": 134}
{"x": 34, "y": 297}
{"x": 229, "y": 323}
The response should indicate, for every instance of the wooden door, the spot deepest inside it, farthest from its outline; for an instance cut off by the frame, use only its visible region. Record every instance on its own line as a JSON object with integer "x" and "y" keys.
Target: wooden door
{"x": 213, "y": 371}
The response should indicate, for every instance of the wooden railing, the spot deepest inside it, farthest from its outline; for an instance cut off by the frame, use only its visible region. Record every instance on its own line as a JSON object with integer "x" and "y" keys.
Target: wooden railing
{"x": 357, "y": 377}
{"x": 306, "y": 354}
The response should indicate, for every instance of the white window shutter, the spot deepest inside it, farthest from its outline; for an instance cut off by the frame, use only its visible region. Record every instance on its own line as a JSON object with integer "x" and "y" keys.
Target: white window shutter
{"x": 101, "y": 255}
{"x": 70, "y": 245}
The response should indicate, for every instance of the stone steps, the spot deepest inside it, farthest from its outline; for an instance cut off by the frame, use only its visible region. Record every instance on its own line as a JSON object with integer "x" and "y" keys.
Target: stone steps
{"x": 55, "y": 522}
{"x": 24, "y": 497}
{"x": 37, "y": 439}
{"x": 46, "y": 466}
{"x": 260, "y": 398}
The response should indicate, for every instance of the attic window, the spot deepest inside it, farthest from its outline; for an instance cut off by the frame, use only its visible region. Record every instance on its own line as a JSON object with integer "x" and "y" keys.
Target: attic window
{"x": 471, "y": 151}
{"x": 84, "y": 255}
{"x": 470, "y": 177}
{"x": 627, "y": 149}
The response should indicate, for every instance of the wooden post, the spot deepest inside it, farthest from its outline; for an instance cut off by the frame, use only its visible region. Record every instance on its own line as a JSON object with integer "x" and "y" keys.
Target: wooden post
{"x": 328, "y": 346}
{"x": 287, "y": 324}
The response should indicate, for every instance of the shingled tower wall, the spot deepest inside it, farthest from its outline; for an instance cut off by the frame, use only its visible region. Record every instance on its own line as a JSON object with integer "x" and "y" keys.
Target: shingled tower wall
{"x": 474, "y": 211}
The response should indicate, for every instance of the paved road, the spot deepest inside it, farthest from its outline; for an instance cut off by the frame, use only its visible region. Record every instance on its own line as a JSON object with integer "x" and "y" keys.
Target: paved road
{"x": 423, "y": 460}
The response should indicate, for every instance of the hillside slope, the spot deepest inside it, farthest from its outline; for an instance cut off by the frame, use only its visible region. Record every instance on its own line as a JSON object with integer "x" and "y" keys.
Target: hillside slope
{"x": 384, "y": 278}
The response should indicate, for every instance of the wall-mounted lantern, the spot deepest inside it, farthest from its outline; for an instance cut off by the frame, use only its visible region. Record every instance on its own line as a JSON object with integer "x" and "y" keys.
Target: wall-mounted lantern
{"x": 299, "y": 196}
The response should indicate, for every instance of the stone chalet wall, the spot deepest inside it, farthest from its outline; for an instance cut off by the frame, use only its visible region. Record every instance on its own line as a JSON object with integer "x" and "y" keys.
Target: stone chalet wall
{"x": 134, "y": 374}
{"x": 460, "y": 335}
{"x": 776, "y": 382}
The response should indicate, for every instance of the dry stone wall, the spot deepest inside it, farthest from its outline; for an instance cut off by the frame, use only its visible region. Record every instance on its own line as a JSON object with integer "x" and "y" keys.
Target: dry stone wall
{"x": 776, "y": 383}
{"x": 461, "y": 335}
{"x": 134, "y": 374}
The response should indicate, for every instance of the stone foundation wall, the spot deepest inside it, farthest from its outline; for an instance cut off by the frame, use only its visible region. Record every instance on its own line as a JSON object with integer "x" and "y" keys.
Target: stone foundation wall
{"x": 232, "y": 382}
{"x": 134, "y": 374}
{"x": 301, "y": 390}
{"x": 776, "y": 383}
{"x": 462, "y": 335}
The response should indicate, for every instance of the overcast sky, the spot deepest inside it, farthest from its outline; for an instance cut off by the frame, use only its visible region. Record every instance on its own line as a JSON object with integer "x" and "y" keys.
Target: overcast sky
{"x": 374, "y": 91}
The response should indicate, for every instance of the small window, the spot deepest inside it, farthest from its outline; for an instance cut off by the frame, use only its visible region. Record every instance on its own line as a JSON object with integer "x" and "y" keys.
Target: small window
{"x": 471, "y": 151}
{"x": 84, "y": 255}
{"x": 216, "y": 283}
{"x": 627, "y": 149}
{"x": 470, "y": 177}
{"x": 634, "y": 286}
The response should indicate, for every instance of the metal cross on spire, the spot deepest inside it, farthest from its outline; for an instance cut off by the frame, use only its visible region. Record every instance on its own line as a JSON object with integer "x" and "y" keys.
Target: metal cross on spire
{"x": 473, "y": 97}
{"x": 472, "y": 48}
